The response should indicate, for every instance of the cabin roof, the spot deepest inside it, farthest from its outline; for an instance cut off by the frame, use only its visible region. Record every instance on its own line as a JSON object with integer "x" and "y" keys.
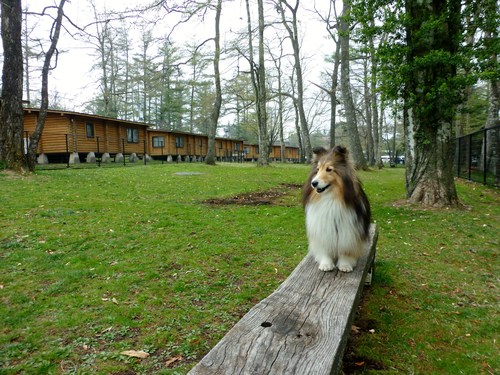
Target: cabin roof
{"x": 111, "y": 119}
{"x": 87, "y": 116}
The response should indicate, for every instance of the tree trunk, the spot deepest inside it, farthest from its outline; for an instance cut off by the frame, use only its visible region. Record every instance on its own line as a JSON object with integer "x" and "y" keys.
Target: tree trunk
{"x": 333, "y": 96}
{"x": 430, "y": 98}
{"x": 11, "y": 107}
{"x": 492, "y": 143}
{"x": 262, "y": 94}
{"x": 369, "y": 116}
{"x": 350, "y": 110}
{"x": 42, "y": 115}
{"x": 27, "y": 54}
{"x": 214, "y": 116}
{"x": 377, "y": 135}
{"x": 280, "y": 119}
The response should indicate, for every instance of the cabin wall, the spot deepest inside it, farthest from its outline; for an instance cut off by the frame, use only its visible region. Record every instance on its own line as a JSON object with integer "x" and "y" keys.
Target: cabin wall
{"x": 53, "y": 139}
{"x": 71, "y": 132}
{"x": 193, "y": 145}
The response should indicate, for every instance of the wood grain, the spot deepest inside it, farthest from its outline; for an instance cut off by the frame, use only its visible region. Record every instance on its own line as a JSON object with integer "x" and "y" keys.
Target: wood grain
{"x": 301, "y": 328}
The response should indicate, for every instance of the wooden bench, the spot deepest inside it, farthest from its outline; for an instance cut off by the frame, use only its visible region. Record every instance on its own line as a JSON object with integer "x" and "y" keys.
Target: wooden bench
{"x": 301, "y": 328}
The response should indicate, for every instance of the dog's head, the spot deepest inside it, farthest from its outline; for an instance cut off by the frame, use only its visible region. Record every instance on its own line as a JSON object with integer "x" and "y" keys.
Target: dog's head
{"x": 328, "y": 168}
{"x": 331, "y": 171}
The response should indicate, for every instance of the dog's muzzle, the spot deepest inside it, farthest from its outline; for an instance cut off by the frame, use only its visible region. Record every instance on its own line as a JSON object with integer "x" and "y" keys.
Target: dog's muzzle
{"x": 315, "y": 184}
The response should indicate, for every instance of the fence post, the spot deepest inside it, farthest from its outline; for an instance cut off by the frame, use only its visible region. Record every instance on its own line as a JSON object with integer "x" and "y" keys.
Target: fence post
{"x": 98, "y": 158}
{"x": 469, "y": 157}
{"x": 485, "y": 154}
{"x": 123, "y": 150}
{"x": 67, "y": 150}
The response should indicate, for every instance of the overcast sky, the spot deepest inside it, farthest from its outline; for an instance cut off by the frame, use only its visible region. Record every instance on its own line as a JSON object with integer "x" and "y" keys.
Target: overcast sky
{"x": 75, "y": 82}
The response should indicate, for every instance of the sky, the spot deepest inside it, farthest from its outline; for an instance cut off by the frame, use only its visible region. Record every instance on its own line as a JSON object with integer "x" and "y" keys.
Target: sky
{"x": 75, "y": 82}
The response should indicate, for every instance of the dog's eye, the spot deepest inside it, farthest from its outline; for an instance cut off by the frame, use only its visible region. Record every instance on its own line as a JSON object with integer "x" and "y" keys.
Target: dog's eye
{"x": 329, "y": 169}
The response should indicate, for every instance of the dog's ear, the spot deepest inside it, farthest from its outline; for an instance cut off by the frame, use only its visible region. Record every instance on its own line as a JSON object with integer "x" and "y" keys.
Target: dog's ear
{"x": 340, "y": 153}
{"x": 318, "y": 153}
{"x": 340, "y": 150}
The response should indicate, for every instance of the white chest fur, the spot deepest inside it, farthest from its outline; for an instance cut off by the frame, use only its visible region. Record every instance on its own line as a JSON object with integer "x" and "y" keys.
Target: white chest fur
{"x": 332, "y": 228}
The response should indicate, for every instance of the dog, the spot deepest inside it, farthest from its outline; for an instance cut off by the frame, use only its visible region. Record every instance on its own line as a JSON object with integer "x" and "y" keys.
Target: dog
{"x": 337, "y": 210}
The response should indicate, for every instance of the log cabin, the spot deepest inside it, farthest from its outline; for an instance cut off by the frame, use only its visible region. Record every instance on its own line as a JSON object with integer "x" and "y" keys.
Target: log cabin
{"x": 69, "y": 137}
{"x": 180, "y": 145}
{"x": 71, "y": 133}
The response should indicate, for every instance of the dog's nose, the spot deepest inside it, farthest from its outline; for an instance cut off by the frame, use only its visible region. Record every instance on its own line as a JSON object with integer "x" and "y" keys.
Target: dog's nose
{"x": 314, "y": 183}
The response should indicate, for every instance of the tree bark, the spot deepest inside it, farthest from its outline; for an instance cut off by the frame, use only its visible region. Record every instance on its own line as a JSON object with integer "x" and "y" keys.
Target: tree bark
{"x": 350, "y": 110}
{"x": 11, "y": 108}
{"x": 377, "y": 135}
{"x": 262, "y": 102}
{"x": 492, "y": 139}
{"x": 333, "y": 96}
{"x": 368, "y": 97}
{"x": 430, "y": 98}
{"x": 214, "y": 116}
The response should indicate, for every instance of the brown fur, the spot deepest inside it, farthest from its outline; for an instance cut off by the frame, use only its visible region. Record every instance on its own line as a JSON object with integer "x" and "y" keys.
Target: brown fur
{"x": 336, "y": 167}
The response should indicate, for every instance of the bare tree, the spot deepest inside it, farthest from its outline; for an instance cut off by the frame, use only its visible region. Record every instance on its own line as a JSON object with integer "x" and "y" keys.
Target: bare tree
{"x": 292, "y": 29}
{"x": 54, "y": 37}
{"x": 258, "y": 76}
{"x": 278, "y": 61}
{"x": 331, "y": 21}
{"x": 262, "y": 102}
{"x": 11, "y": 109}
{"x": 214, "y": 117}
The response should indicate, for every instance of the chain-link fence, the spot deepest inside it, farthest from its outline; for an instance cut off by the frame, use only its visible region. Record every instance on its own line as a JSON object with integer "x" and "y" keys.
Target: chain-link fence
{"x": 478, "y": 156}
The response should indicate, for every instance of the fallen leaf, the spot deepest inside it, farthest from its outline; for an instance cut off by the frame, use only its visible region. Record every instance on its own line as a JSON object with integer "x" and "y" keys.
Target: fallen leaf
{"x": 362, "y": 363}
{"x": 114, "y": 300}
{"x": 355, "y": 329}
{"x": 173, "y": 360}
{"x": 135, "y": 353}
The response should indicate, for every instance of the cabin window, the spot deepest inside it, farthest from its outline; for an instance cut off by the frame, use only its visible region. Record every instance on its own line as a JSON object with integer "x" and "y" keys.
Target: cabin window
{"x": 256, "y": 149}
{"x": 246, "y": 150}
{"x": 158, "y": 141}
{"x": 89, "y": 130}
{"x": 179, "y": 142}
{"x": 132, "y": 135}
{"x": 237, "y": 147}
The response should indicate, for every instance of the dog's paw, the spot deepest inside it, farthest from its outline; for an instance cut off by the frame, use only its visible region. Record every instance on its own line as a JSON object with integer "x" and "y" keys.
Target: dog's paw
{"x": 346, "y": 263}
{"x": 345, "y": 267}
{"x": 326, "y": 266}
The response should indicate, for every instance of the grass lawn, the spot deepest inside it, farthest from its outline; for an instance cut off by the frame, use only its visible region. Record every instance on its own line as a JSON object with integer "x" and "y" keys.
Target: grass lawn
{"x": 94, "y": 262}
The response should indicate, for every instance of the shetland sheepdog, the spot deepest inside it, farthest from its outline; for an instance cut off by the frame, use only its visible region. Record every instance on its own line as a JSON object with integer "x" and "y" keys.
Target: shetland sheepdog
{"x": 337, "y": 210}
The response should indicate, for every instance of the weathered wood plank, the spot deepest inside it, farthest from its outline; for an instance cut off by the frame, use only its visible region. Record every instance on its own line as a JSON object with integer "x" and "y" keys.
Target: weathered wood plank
{"x": 301, "y": 328}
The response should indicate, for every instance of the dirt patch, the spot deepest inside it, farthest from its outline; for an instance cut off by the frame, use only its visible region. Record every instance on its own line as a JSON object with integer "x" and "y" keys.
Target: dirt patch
{"x": 405, "y": 203}
{"x": 352, "y": 363}
{"x": 14, "y": 175}
{"x": 268, "y": 197}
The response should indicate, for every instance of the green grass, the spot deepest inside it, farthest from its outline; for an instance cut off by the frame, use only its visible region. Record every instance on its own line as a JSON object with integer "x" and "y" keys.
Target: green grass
{"x": 97, "y": 261}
